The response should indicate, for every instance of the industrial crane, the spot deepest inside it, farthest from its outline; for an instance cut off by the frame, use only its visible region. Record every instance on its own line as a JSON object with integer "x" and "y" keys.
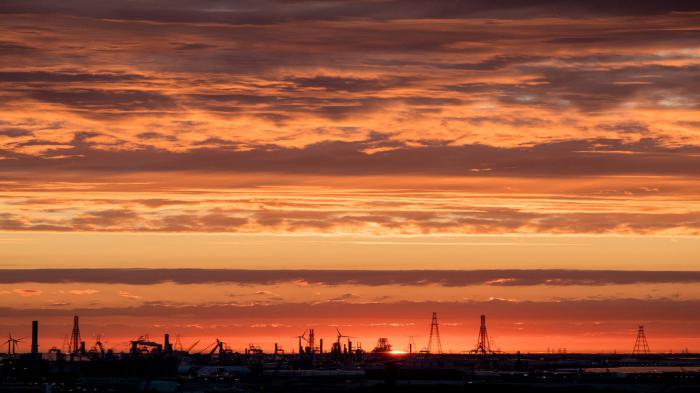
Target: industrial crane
{"x": 99, "y": 347}
{"x": 220, "y": 348}
{"x": 191, "y": 347}
{"x": 205, "y": 348}
{"x": 219, "y": 345}
{"x": 253, "y": 350}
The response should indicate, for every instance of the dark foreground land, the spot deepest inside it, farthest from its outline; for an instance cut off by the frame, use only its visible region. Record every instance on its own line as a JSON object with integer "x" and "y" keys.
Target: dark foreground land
{"x": 366, "y": 372}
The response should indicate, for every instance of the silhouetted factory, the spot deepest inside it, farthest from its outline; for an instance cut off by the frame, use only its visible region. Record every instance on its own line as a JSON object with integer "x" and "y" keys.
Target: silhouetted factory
{"x": 151, "y": 365}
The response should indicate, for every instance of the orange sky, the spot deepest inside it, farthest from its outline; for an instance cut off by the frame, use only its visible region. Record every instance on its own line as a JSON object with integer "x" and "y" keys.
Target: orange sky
{"x": 274, "y": 135}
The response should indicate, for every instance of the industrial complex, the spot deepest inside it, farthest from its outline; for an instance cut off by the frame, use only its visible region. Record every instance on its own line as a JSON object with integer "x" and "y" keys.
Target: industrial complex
{"x": 164, "y": 365}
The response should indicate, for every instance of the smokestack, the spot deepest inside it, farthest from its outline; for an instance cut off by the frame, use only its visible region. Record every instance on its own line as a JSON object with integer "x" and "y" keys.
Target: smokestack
{"x": 320, "y": 348}
{"x": 276, "y": 349}
{"x": 168, "y": 347}
{"x": 82, "y": 347}
{"x": 35, "y": 339}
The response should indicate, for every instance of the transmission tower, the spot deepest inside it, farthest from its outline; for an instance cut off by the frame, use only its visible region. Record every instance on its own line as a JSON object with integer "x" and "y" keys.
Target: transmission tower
{"x": 434, "y": 335}
{"x": 178, "y": 344}
{"x": 483, "y": 345}
{"x": 641, "y": 347}
{"x": 74, "y": 344}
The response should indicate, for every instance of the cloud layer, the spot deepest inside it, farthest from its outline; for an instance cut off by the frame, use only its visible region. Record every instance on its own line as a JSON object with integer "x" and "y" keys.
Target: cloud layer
{"x": 180, "y": 99}
{"x": 355, "y": 277}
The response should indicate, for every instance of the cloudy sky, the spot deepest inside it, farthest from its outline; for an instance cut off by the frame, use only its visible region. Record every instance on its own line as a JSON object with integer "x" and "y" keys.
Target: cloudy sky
{"x": 547, "y": 156}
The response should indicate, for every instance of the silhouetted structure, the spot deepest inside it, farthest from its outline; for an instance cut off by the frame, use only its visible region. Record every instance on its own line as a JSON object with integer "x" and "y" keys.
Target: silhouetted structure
{"x": 483, "y": 345}
{"x": 310, "y": 341}
{"x": 313, "y": 371}
{"x": 434, "y": 340}
{"x": 166, "y": 344}
{"x": 382, "y": 345}
{"x": 143, "y": 345}
{"x": 337, "y": 347}
{"x": 12, "y": 344}
{"x": 35, "y": 339}
{"x": 74, "y": 343}
{"x": 641, "y": 347}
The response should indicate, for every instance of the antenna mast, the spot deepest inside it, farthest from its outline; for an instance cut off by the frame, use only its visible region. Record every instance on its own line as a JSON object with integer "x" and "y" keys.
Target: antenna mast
{"x": 434, "y": 335}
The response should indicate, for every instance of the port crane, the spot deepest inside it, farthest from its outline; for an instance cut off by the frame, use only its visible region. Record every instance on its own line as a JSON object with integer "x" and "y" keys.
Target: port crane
{"x": 253, "y": 350}
{"x": 142, "y": 345}
{"x": 191, "y": 347}
{"x": 99, "y": 346}
{"x": 219, "y": 345}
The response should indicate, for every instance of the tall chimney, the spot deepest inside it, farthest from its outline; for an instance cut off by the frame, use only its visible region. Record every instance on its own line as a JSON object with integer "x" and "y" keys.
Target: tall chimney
{"x": 320, "y": 348}
{"x": 35, "y": 339}
{"x": 166, "y": 344}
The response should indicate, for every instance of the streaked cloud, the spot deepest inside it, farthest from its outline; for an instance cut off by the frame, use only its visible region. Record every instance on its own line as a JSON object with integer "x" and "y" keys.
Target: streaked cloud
{"x": 26, "y": 292}
{"x": 574, "y": 310}
{"x": 513, "y": 277}
{"x": 365, "y": 134}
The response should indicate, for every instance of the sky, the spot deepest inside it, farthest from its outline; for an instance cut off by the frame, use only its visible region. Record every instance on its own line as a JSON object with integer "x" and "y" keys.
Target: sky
{"x": 248, "y": 170}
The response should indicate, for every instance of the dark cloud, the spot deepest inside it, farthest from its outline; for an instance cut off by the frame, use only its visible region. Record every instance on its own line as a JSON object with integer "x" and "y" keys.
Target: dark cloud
{"x": 357, "y": 277}
{"x": 634, "y": 127}
{"x": 105, "y": 219}
{"x": 284, "y": 104}
{"x": 65, "y": 77}
{"x": 9, "y": 47}
{"x": 192, "y": 46}
{"x": 511, "y": 121}
{"x": 270, "y": 217}
{"x": 561, "y": 310}
{"x": 596, "y": 90}
{"x": 336, "y": 83}
{"x": 273, "y": 11}
{"x": 565, "y": 158}
{"x": 149, "y": 135}
{"x": 494, "y": 63}
{"x": 97, "y": 99}
{"x": 14, "y": 132}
